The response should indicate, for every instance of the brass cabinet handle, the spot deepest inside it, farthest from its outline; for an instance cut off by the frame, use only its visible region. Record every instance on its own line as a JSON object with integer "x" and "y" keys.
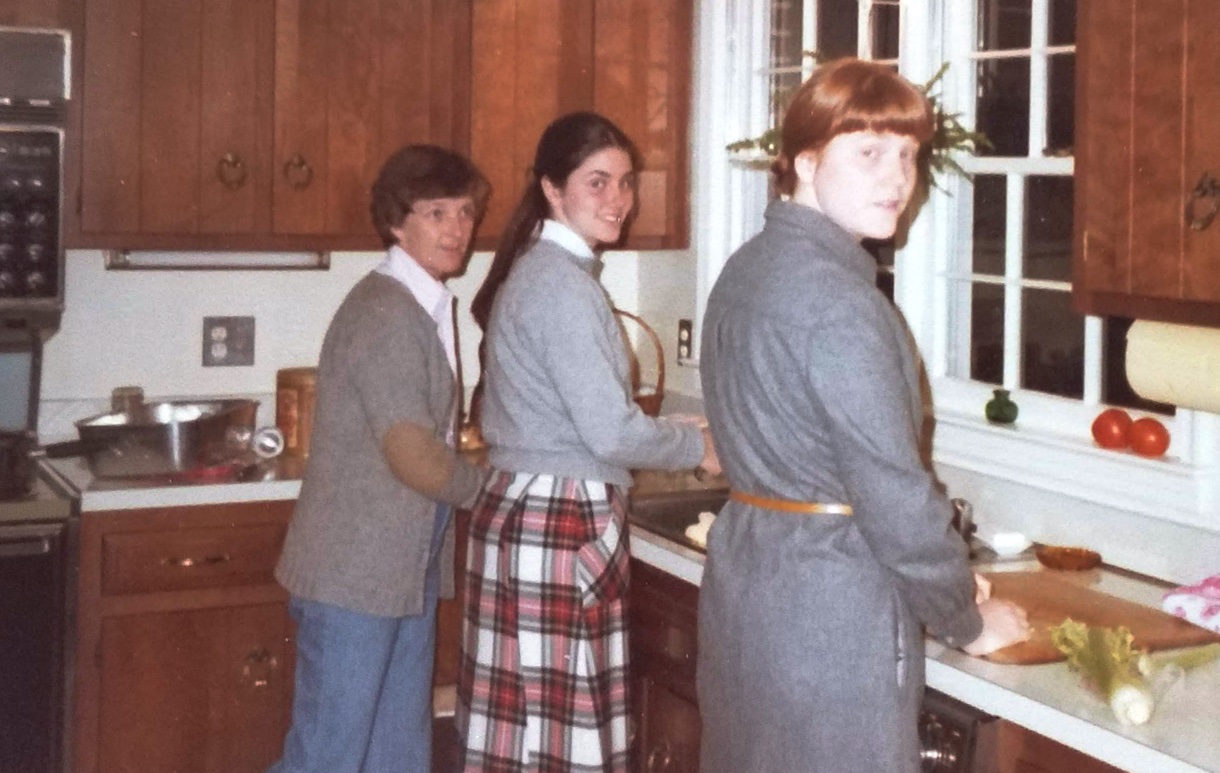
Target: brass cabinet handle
{"x": 1208, "y": 188}
{"x": 259, "y": 665}
{"x": 231, "y": 171}
{"x": 298, "y": 172}
{"x": 187, "y": 562}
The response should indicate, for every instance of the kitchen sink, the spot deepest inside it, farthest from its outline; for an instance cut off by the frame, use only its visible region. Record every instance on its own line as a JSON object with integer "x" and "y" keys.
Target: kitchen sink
{"x": 669, "y": 513}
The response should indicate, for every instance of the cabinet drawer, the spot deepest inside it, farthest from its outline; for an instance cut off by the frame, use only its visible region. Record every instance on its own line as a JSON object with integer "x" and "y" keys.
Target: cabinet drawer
{"x": 189, "y": 559}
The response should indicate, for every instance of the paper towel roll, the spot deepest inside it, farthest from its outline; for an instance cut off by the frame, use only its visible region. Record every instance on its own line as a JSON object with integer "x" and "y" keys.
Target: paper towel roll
{"x": 1175, "y": 364}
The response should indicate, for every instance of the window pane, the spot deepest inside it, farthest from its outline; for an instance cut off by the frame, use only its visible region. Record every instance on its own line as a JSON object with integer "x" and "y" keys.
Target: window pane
{"x": 990, "y": 214}
{"x": 884, "y": 22}
{"x": 1048, "y": 228}
{"x": 1003, "y": 106}
{"x": 1115, "y": 389}
{"x": 1003, "y": 24}
{"x": 1062, "y": 31}
{"x": 1061, "y": 104}
{"x": 838, "y": 21}
{"x": 987, "y": 333}
{"x": 786, "y": 47}
{"x": 1053, "y": 336}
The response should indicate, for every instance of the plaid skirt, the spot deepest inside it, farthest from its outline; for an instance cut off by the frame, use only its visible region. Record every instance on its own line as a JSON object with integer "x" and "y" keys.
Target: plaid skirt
{"x": 543, "y": 678}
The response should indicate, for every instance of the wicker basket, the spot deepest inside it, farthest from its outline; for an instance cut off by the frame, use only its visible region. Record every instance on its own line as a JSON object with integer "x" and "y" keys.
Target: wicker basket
{"x": 649, "y": 402}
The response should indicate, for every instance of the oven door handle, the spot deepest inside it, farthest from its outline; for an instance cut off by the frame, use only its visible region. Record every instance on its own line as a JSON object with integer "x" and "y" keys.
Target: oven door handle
{"x": 39, "y": 546}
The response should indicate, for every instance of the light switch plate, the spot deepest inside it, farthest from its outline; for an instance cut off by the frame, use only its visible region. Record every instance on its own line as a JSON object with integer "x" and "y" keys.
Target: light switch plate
{"x": 228, "y": 341}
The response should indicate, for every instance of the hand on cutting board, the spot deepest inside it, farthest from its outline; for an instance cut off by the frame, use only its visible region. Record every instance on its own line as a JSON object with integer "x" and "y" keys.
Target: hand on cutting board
{"x": 1004, "y": 623}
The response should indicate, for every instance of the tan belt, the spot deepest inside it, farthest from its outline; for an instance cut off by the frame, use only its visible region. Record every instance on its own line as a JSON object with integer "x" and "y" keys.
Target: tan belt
{"x": 790, "y": 506}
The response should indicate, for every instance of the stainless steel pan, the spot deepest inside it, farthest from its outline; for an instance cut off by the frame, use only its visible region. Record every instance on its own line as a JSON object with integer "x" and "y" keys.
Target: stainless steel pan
{"x": 169, "y": 438}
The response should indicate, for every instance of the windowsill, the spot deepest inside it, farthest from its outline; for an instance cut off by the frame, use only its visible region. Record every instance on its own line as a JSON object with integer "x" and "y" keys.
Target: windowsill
{"x": 1167, "y": 488}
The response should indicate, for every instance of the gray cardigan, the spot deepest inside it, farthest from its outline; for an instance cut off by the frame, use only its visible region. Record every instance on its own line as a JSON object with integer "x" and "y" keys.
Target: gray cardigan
{"x": 557, "y": 397}
{"x": 810, "y": 627}
{"x": 359, "y": 538}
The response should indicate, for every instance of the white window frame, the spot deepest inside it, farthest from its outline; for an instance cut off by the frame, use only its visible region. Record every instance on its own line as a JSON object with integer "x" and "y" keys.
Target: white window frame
{"x": 1050, "y": 447}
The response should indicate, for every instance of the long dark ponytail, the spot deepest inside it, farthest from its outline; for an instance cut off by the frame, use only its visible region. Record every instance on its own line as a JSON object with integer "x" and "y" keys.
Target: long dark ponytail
{"x": 563, "y": 147}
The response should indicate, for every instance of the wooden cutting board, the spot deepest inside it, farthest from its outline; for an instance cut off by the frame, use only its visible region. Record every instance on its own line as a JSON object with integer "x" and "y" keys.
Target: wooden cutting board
{"x": 1050, "y": 597}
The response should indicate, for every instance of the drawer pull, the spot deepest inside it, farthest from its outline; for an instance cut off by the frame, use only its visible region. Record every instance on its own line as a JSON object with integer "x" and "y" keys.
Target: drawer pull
{"x": 187, "y": 562}
{"x": 298, "y": 172}
{"x": 1208, "y": 188}
{"x": 260, "y": 663}
{"x": 231, "y": 171}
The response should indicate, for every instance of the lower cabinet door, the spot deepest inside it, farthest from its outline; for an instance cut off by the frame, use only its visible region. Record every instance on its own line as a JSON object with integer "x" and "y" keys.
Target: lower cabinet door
{"x": 669, "y": 732}
{"x": 197, "y": 691}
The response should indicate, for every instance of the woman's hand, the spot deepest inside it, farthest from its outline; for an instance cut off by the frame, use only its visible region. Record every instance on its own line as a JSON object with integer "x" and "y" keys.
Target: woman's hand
{"x": 982, "y": 588}
{"x": 1004, "y": 624}
{"x": 710, "y": 463}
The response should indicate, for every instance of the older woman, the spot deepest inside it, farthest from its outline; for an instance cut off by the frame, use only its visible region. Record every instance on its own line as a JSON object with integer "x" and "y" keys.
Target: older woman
{"x": 835, "y": 548}
{"x": 369, "y": 547}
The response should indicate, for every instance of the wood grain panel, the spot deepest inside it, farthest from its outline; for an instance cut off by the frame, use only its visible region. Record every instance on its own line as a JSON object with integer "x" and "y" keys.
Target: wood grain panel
{"x": 1201, "y": 280}
{"x": 110, "y": 138}
{"x": 302, "y": 49}
{"x": 36, "y": 13}
{"x": 493, "y": 145}
{"x": 1103, "y": 146}
{"x": 170, "y": 116}
{"x": 409, "y": 54}
{"x": 236, "y": 92}
{"x": 1157, "y": 147}
{"x": 353, "y": 142}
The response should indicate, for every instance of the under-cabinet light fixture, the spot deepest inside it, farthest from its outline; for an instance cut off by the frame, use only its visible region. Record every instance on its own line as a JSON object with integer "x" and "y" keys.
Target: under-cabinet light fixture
{"x": 148, "y": 260}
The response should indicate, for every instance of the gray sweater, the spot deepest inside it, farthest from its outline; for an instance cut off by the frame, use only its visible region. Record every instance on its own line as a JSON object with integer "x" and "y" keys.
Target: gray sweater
{"x": 558, "y": 397}
{"x": 360, "y": 538}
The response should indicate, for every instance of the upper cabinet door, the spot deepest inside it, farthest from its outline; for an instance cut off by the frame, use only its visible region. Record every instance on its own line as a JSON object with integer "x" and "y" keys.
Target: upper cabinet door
{"x": 1147, "y": 160}
{"x": 55, "y": 14}
{"x": 176, "y": 117}
{"x": 642, "y": 66}
{"x": 355, "y": 80}
{"x": 259, "y": 124}
{"x": 630, "y": 60}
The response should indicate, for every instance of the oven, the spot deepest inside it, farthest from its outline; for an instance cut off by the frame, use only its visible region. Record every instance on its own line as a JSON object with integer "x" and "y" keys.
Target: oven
{"x": 954, "y": 737}
{"x": 38, "y": 571}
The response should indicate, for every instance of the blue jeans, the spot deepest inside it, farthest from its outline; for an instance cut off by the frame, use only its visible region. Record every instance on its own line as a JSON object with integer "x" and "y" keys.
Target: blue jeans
{"x": 363, "y": 701}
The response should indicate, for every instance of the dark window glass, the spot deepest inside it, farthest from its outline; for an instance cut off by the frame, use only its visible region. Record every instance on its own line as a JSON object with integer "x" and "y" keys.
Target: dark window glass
{"x": 1115, "y": 389}
{"x": 1048, "y": 228}
{"x": 1003, "y": 106}
{"x": 884, "y": 25}
{"x": 1053, "y": 337}
{"x": 838, "y": 22}
{"x": 786, "y": 49}
{"x": 1003, "y": 24}
{"x": 1062, "y": 30}
{"x": 990, "y": 212}
{"x": 987, "y": 333}
{"x": 1061, "y": 104}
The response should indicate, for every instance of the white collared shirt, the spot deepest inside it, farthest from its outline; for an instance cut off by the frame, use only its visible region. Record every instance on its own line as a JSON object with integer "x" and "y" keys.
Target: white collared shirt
{"x": 555, "y": 231}
{"x": 431, "y": 294}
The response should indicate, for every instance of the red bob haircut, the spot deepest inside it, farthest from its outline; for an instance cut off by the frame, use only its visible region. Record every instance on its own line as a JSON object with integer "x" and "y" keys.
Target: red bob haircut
{"x": 849, "y": 95}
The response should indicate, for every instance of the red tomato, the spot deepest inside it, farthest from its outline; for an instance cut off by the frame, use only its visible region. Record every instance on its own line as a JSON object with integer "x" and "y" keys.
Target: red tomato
{"x": 1149, "y": 437}
{"x": 1111, "y": 428}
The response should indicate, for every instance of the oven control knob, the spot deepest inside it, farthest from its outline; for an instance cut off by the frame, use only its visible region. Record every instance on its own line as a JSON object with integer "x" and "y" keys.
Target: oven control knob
{"x": 8, "y": 283}
{"x": 8, "y": 220}
{"x": 36, "y": 218}
{"x": 35, "y": 252}
{"x": 36, "y": 282}
{"x": 10, "y": 184}
{"x": 36, "y": 184}
{"x": 7, "y": 251}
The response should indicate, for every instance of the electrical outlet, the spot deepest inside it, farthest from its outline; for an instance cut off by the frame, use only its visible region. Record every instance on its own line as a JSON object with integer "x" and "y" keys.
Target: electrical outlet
{"x": 684, "y": 339}
{"x": 228, "y": 341}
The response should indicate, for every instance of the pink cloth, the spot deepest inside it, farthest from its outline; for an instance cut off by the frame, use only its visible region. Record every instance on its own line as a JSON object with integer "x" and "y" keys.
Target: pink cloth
{"x": 1199, "y": 604}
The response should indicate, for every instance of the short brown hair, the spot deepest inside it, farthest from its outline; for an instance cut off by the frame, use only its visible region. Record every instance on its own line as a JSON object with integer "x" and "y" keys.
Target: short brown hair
{"x": 848, "y": 95}
{"x": 422, "y": 172}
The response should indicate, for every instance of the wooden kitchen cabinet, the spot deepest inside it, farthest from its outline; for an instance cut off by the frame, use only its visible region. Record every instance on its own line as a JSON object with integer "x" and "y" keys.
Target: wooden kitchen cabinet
{"x": 1019, "y": 750}
{"x": 258, "y": 124}
{"x": 38, "y": 13}
{"x": 1147, "y": 102}
{"x": 185, "y": 647}
{"x": 631, "y": 60}
{"x": 663, "y": 629}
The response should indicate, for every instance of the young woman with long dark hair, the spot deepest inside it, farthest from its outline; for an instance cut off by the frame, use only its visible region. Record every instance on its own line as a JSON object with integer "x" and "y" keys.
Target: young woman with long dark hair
{"x": 543, "y": 682}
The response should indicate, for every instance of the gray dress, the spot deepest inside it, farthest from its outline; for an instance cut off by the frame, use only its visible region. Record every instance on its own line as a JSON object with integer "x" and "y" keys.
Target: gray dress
{"x": 810, "y": 641}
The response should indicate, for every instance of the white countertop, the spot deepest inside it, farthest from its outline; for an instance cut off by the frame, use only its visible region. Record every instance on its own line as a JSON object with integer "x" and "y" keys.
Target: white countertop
{"x": 1183, "y": 735}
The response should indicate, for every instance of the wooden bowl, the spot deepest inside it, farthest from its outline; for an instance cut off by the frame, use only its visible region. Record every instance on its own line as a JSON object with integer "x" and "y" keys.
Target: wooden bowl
{"x": 1068, "y": 559}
